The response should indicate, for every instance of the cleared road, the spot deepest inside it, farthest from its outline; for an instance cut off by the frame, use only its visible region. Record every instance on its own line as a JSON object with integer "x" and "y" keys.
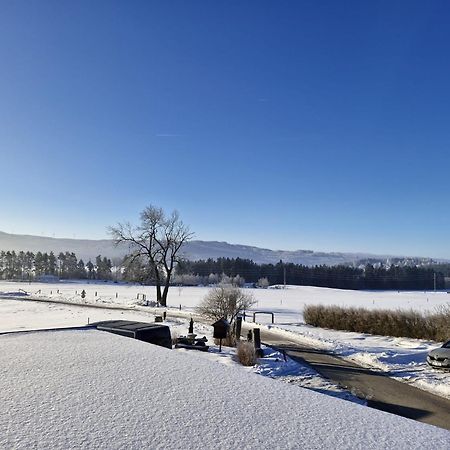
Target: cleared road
{"x": 381, "y": 391}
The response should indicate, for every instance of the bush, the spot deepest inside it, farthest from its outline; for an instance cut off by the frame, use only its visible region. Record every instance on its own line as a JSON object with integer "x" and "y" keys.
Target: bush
{"x": 246, "y": 353}
{"x": 225, "y": 302}
{"x": 413, "y": 324}
{"x": 174, "y": 335}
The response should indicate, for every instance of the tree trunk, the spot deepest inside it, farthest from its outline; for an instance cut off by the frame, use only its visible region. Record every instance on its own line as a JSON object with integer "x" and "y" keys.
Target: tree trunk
{"x": 164, "y": 295}
{"x": 158, "y": 294}
{"x": 166, "y": 286}
{"x": 158, "y": 286}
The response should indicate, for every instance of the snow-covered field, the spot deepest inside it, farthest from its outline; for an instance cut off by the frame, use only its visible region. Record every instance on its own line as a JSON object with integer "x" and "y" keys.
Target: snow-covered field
{"x": 401, "y": 358}
{"x": 90, "y": 389}
{"x": 287, "y": 304}
{"x": 21, "y": 315}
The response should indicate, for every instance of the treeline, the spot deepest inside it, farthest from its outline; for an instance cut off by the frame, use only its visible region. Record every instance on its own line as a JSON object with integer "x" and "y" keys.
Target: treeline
{"x": 341, "y": 277}
{"x": 32, "y": 266}
{"x": 443, "y": 268}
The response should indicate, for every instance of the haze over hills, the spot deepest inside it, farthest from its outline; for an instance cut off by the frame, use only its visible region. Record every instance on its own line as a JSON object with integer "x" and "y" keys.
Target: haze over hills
{"x": 88, "y": 249}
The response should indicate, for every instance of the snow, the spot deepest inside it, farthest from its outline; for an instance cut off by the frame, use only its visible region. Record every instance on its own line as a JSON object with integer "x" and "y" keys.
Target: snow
{"x": 91, "y": 389}
{"x": 287, "y": 304}
{"x": 273, "y": 364}
{"x": 401, "y": 358}
{"x": 26, "y": 315}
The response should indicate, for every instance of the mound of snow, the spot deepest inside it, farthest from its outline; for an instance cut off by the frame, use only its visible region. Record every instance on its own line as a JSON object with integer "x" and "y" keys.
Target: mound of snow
{"x": 90, "y": 389}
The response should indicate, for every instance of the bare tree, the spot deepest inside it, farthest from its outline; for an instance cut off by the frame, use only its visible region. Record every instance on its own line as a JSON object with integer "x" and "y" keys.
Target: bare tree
{"x": 157, "y": 240}
{"x": 225, "y": 302}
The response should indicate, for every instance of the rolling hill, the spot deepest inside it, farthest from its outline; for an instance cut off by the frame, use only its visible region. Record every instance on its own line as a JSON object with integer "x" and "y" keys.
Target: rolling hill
{"x": 88, "y": 249}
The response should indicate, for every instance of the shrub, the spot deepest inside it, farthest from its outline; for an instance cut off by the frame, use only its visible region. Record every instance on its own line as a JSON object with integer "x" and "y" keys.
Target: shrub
{"x": 246, "y": 353}
{"x": 174, "y": 335}
{"x": 413, "y": 324}
{"x": 225, "y": 302}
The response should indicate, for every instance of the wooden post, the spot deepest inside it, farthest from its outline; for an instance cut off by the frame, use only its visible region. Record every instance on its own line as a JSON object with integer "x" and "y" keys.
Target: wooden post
{"x": 238, "y": 327}
{"x": 257, "y": 337}
{"x": 164, "y": 315}
{"x": 257, "y": 342}
{"x": 117, "y": 294}
{"x": 220, "y": 344}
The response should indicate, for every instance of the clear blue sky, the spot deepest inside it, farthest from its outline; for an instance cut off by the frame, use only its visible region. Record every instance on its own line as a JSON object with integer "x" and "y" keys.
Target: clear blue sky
{"x": 296, "y": 124}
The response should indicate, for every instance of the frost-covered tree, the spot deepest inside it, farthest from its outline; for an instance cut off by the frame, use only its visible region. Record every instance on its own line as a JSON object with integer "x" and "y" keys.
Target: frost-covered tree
{"x": 225, "y": 302}
{"x": 213, "y": 278}
{"x": 81, "y": 269}
{"x": 91, "y": 270}
{"x": 157, "y": 240}
{"x": 263, "y": 283}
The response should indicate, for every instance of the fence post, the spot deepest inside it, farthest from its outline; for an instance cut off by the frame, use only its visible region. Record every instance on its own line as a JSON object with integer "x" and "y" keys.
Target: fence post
{"x": 238, "y": 327}
{"x": 257, "y": 342}
{"x": 257, "y": 337}
{"x": 249, "y": 336}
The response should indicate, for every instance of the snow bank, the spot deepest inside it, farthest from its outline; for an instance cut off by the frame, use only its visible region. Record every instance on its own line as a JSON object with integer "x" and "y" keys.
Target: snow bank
{"x": 89, "y": 389}
{"x": 400, "y": 358}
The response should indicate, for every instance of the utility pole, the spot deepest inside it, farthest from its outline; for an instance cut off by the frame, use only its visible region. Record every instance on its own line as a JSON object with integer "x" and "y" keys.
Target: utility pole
{"x": 434, "y": 277}
{"x": 284, "y": 275}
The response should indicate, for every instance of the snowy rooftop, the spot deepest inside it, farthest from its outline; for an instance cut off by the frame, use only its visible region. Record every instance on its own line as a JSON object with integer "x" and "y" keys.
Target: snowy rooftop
{"x": 91, "y": 389}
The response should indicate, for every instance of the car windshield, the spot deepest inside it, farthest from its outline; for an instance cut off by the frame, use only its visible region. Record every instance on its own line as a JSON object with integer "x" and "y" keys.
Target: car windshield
{"x": 446, "y": 345}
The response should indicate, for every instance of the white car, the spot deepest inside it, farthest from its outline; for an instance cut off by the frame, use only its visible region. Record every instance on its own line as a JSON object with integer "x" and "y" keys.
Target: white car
{"x": 440, "y": 357}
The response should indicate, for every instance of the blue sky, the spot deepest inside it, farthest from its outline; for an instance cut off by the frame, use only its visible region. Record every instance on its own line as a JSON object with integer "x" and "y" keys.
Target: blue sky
{"x": 295, "y": 124}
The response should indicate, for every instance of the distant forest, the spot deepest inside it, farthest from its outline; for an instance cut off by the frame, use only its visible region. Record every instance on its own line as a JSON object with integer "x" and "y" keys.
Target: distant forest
{"x": 32, "y": 266}
{"x": 341, "y": 277}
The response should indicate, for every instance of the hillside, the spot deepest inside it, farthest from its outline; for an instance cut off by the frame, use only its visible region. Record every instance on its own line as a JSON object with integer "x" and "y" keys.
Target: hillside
{"x": 88, "y": 249}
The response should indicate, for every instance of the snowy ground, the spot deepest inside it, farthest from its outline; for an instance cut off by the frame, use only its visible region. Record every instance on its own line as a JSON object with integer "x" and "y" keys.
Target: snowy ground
{"x": 273, "y": 364}
{"x": 90, "y": 389}
{"x": 21, "y": 315}
{"x": 401, "y": 358}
